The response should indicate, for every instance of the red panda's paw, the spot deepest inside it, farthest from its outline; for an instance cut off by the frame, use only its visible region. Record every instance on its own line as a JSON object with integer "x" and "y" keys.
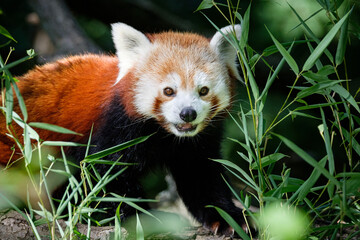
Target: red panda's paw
{"x": 218, "y": 228}
{"x": 223, "y": 229}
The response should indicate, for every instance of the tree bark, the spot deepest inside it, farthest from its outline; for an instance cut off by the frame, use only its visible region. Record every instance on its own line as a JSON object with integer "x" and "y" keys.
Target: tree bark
{"x": 62, "y": 28}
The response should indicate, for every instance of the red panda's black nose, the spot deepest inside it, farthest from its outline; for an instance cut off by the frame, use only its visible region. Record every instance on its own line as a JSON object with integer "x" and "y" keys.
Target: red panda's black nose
{"x": 188, "y": 114}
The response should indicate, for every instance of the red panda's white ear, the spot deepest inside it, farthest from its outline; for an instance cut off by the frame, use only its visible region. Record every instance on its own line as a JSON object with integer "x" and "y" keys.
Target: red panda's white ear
{"x": 224, "y": 49}
{"x": 130, "y": 45}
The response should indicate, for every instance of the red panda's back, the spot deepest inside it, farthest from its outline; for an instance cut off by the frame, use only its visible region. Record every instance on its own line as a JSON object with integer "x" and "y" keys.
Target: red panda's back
{"x": 70, "y": 93}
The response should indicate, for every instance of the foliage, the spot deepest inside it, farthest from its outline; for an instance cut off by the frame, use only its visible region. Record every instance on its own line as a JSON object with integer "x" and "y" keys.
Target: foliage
{"x": 332, "y": 206}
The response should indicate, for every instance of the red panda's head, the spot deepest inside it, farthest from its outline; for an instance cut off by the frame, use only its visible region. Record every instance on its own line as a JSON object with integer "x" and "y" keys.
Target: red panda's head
{"x": 182, "y": 79}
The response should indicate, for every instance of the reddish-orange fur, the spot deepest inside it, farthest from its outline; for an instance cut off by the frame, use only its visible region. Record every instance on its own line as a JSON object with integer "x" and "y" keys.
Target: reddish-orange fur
{"x": 77, "y": 86}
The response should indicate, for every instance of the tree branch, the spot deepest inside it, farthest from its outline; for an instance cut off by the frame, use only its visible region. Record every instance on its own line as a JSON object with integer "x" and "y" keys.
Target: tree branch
{"x": 62, "y": 28}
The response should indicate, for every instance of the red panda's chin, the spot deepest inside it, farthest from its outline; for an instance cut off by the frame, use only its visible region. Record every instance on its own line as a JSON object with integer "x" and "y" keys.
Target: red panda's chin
{"x": 184, "y": 129}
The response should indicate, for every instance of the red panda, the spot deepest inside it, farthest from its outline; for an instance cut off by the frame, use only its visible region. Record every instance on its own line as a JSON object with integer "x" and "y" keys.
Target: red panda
{"x": 171, "y": 84}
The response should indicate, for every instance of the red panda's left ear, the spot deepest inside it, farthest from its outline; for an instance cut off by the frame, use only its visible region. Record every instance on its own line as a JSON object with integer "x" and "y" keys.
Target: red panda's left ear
{"x": 130, "y": 45}
{"x": 221, "y": 45}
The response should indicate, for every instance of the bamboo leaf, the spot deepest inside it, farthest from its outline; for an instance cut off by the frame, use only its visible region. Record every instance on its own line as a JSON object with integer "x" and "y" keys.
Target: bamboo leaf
{"x": 231, "y": 222}
{"x": 317, "y": 88}
{"x": 267, "y": 160}
{"x": 327, "y": 140}
{"x": 117, "y": 148}
{"x": 305, "y": 188}
{"x": 245, "y": 23}
{"x": 346, "y": 95}
{"x": 289, "y": 59}
{"x": 310, "y": 160}
{"x": 64, "y": 144}
{"x": 9, "y": 100}
{"x": 324, "y": 43}
{"x": 341, "y": 47}
{"x": 52, "y": 127}
{"x": 237, "y": 168}
{"x": 312, "y": 35}
{"x": 5, "y": 33}
{"x": 274, "y": 74}
{"x": 205, "y": 4}
{"x": 139, "y": 229}
{"x": 27, "y": 145}
{"x": 20, "y": 100}
{"x": 313, "y": 106}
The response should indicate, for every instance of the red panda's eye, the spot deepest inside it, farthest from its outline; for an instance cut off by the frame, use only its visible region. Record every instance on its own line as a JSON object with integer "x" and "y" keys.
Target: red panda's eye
{"x": 169, "y": 92}
{"x": 204, "y": 91}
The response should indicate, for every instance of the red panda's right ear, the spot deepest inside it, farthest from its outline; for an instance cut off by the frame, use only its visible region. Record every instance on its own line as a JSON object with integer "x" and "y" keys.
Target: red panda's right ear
{"x": 130, "y": 45}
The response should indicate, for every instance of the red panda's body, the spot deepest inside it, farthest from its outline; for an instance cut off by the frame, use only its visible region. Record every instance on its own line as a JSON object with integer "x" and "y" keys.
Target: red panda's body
{"x": 170, "y": 84}
{"x": 75, "y": 102}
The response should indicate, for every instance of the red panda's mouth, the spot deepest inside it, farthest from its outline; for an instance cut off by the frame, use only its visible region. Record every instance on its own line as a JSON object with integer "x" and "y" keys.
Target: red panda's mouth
{"x": 185, "y": 127}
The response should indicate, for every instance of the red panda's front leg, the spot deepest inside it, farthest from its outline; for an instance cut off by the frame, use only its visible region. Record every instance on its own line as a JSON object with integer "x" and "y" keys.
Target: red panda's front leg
{"x": 199, "y": 182}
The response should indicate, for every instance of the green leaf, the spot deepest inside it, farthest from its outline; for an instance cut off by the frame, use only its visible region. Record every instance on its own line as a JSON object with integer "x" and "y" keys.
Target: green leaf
{"x": 312, "y": 15}
{"x": 205, "y": 4}
{"x": 273, "y": 49}
{"x": 117, "y": 148}
{"x": 9, "y": 100}
{"x": 5, "y": 33}
{"x": 346, "y": 95}
{"x": 267, "y": 160}
{"x": 13, "y": 64}
{"x": 341, "y": 47}
{"x": 312, "y": 35}
{"x": 27, "y": 145}
{"x": 293, "y": 113}
{"x": 231, "y": 222}
{"x": 313, "y": 106}
{"x": 64, "y": 144}
{"x": 52, "y": 127}
{"x": 324, "y": 43}
{"x": 237, "y": 168}
{"x": 327, "y": 140}
{"x": 305, "y": 188}
{"x": 274, "y": 74}
{"x": 20, "y": 100}
{"x": 139, "y": 229}
{"x": 245, "y": 23}
{"x": 310, "y": 160}
{"x": 289, "y": 59}
{"x": 317, "y": 88}
{"x": 351, "y": 139}
{"x": 117, "y": 228}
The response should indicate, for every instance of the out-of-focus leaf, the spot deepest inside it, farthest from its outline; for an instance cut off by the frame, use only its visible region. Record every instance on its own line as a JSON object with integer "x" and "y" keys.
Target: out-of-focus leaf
{"x": 205, "y": 4}
{"x": 5, "y": 33}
